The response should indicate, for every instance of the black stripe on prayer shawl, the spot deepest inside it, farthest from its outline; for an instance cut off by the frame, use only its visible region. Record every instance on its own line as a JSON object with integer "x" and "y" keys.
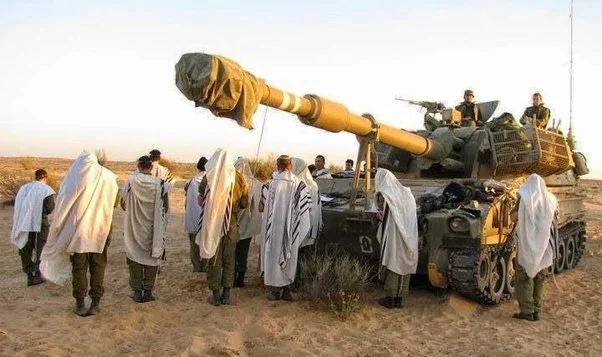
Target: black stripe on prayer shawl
{"x": 300, "y": 206}
{"x": 170, "y": 177}
{"x": 205, "y": 198}
{"x": 163, "y": 213}
{"x": 228, "y": 214}
{"x": 269, "y": 193}
{"x": 382, "y": 231}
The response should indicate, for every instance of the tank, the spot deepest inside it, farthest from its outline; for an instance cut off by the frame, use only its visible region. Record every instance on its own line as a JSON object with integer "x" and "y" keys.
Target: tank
{"x": 463, "y": 178}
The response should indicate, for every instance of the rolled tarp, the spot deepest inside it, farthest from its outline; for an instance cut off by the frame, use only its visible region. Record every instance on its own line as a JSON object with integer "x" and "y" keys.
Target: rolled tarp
{"x": 220, "y": 85}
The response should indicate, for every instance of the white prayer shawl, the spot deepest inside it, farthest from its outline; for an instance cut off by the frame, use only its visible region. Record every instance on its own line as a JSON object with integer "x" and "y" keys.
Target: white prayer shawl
{"x": 82, "y": 216}
{"x": 163, "y": 173}
{"x": 398, "y": 234}
{"x": 27, "y": 216}
{"x": 144, "y": 219}
{"x": 216, "y": 208}
{"x": 300, "y": 170}
{"x": 535, "y": 217}
{"x": 193, "y": 209}
{"x": 286, "y": 221}
{"x": 249, "y": 219}
{"x": 322, "y": 174}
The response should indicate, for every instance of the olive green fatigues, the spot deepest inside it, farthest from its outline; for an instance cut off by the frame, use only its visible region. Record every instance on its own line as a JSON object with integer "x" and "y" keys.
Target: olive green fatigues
{"x": 142, "y": 277}
{"x": 529, "y": 291}
{"x": 471, "y": 115}
{"x": 220, "y": 268}
{"x": 96, "y": 263}
{"x": 396, "y": 285}
{"x": 541, "y": 114}
{"x": 36, "y": 241}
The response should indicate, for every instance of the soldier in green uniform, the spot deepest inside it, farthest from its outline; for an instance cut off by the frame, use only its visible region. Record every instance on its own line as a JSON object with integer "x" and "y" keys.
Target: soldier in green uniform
{"x": 538, "y": 113}
{"x": 471, "y": 115}
{"x": 220, "y": 268}
{"x": 534, "y": 215}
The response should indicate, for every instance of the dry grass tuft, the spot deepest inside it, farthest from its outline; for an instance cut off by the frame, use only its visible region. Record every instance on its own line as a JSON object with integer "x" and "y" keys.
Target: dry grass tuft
{"x": 263, "y": 167}
{"x": 10, "y": 182}
{"x": 334, "y": 168}
{"x": 27, "y": 163}
{"x": 334, "y": 280}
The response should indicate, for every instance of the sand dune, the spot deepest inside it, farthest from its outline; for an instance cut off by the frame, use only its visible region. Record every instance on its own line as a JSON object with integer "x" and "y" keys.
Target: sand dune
{"x": 37, "y": 321}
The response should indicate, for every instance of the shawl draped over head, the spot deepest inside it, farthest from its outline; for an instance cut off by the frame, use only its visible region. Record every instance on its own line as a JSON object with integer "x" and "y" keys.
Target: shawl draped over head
{"x": 82, "y": 216}
{"x": 193, "y": 210}
{"x": 285, "y": 222}
{"x": 398, "y": 233}
{"x": 300, "y": 170}
{"x": 144, "y": 219}
{"x": 249, "y": 219}
{"x": 216, "y": 208}
{"x": 27, "y": 216}
{"x": 535, "y": 218}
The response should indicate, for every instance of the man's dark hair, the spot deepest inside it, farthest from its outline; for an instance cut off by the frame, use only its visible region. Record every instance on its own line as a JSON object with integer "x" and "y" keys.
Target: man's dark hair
{"x": 155, "y": 155}
{"x": 349, "y": 161}
{"x": 145, "y": 162}
{"x": 201, "y": 164}
{"x": 537, "y": 94}
{"x": 320, "y": 157}
{"x": 40, "y": 174}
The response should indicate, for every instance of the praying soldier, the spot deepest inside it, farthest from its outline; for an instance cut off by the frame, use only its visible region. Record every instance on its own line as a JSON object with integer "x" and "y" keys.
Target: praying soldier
{"x": 81, "y": 230}
{"x": 33, "y": 204}
{"x": 159, "y": 170}
{"x": 537, "y": 114}
{"x": 223, "y": 193}
{"x": 469, "y": 110}
{"x": 192, "y": 216}
{"x": 320, "y": 170}
{"x": 398, "y": 237}
{"x": 534, "y": 214}
{"x": 146, "y": 203}
{"x": 249, "y": 221}
{"x": 286, "y": 222}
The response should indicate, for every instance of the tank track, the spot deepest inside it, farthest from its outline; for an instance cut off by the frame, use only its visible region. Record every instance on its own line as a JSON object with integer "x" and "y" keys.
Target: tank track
{"x": 464, "y": 265}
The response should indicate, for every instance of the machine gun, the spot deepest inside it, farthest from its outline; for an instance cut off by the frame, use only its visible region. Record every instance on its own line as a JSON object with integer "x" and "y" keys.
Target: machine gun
{"x": 431, "y": 107}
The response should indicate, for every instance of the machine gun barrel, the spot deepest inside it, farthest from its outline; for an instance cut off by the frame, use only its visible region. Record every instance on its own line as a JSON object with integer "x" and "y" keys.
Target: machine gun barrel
{"x": 311, "y": 109}
{"x": 430, "y": 106}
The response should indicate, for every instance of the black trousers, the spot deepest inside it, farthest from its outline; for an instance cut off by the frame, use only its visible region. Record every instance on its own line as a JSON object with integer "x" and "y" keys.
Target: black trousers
{"x": 241, "y": 255}
{"x": 31, "y": 252}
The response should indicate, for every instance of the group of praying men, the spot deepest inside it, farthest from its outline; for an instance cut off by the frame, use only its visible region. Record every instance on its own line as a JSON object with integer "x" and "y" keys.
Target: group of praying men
{"x": 225, "y": 207}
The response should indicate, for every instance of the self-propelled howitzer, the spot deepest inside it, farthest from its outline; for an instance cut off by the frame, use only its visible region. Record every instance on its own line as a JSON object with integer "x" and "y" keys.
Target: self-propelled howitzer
{"x": 464, "y": 178}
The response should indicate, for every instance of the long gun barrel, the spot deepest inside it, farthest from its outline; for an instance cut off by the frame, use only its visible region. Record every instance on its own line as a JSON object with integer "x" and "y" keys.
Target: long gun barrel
{"x": 212, "y": 82}
{"x": 434, "y": 107}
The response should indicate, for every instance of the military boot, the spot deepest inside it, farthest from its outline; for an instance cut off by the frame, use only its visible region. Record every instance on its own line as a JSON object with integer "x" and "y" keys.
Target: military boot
{"x": 398, "y": 302}
{"x": 215, "y": 298}
{"x": 34, "y": 279}
{"x": 239, "y": 280}
{"x": 225, "y": 298}
{"x": 524, "y": 316}
{"x": 136, "y": 295}
{"x": 147, "y": 296}
{"x": 80, "y": 307}
{"x": 387, "y": 302}
{"x": 94, "y": 307}
{"x": 286, "y": 293}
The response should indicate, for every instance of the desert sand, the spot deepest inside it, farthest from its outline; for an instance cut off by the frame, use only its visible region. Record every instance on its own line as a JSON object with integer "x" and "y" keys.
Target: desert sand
{"x": 37, "y": 321}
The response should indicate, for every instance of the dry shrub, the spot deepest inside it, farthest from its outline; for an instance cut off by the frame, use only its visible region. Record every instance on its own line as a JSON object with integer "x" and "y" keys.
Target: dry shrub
{"x": 263, "y": 167}
{"x": 334, "y": 280}
{"x": 53, "y": 180}
{"x": 335, "y": 168}
{"x": 27, "y": 163}
{"x": 169, "y": 164}
{"x": 10, "y": 182}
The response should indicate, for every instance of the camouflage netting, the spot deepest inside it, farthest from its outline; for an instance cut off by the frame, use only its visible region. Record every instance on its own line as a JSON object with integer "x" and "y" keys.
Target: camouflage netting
{"x": 220, "y": 85}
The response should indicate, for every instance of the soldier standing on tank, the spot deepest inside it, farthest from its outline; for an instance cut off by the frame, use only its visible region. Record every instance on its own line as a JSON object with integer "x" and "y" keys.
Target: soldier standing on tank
{"x": 321, "y": 171}
{"x": 534, "y": 214}
{"x": 537, "y": 113}
{"x": 471, "y": 115}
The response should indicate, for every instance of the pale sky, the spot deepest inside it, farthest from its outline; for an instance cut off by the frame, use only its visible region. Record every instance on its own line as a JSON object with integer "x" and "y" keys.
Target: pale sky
{"x": 77, "y": 75}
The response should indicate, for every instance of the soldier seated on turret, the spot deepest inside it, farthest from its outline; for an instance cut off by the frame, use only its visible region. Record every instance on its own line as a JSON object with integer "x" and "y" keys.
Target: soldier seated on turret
{"x": 537, "y": 114}
{"x": 471, "y": 115}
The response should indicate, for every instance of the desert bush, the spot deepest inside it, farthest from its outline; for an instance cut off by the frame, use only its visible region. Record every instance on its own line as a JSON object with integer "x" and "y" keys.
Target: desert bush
{"x": 168, "y": 163}
{"x": 334, "y": 280}
{"x": 10, "y": 182}
{"x": 53, "y": 180}
{"x": 27, "y": 163}
{"x": 335, "y": 168}
{"x": 263, "y": 167}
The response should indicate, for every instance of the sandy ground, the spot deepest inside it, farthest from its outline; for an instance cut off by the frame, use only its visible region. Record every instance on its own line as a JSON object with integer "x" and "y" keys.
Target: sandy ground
{"x": 37, "y": 321}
